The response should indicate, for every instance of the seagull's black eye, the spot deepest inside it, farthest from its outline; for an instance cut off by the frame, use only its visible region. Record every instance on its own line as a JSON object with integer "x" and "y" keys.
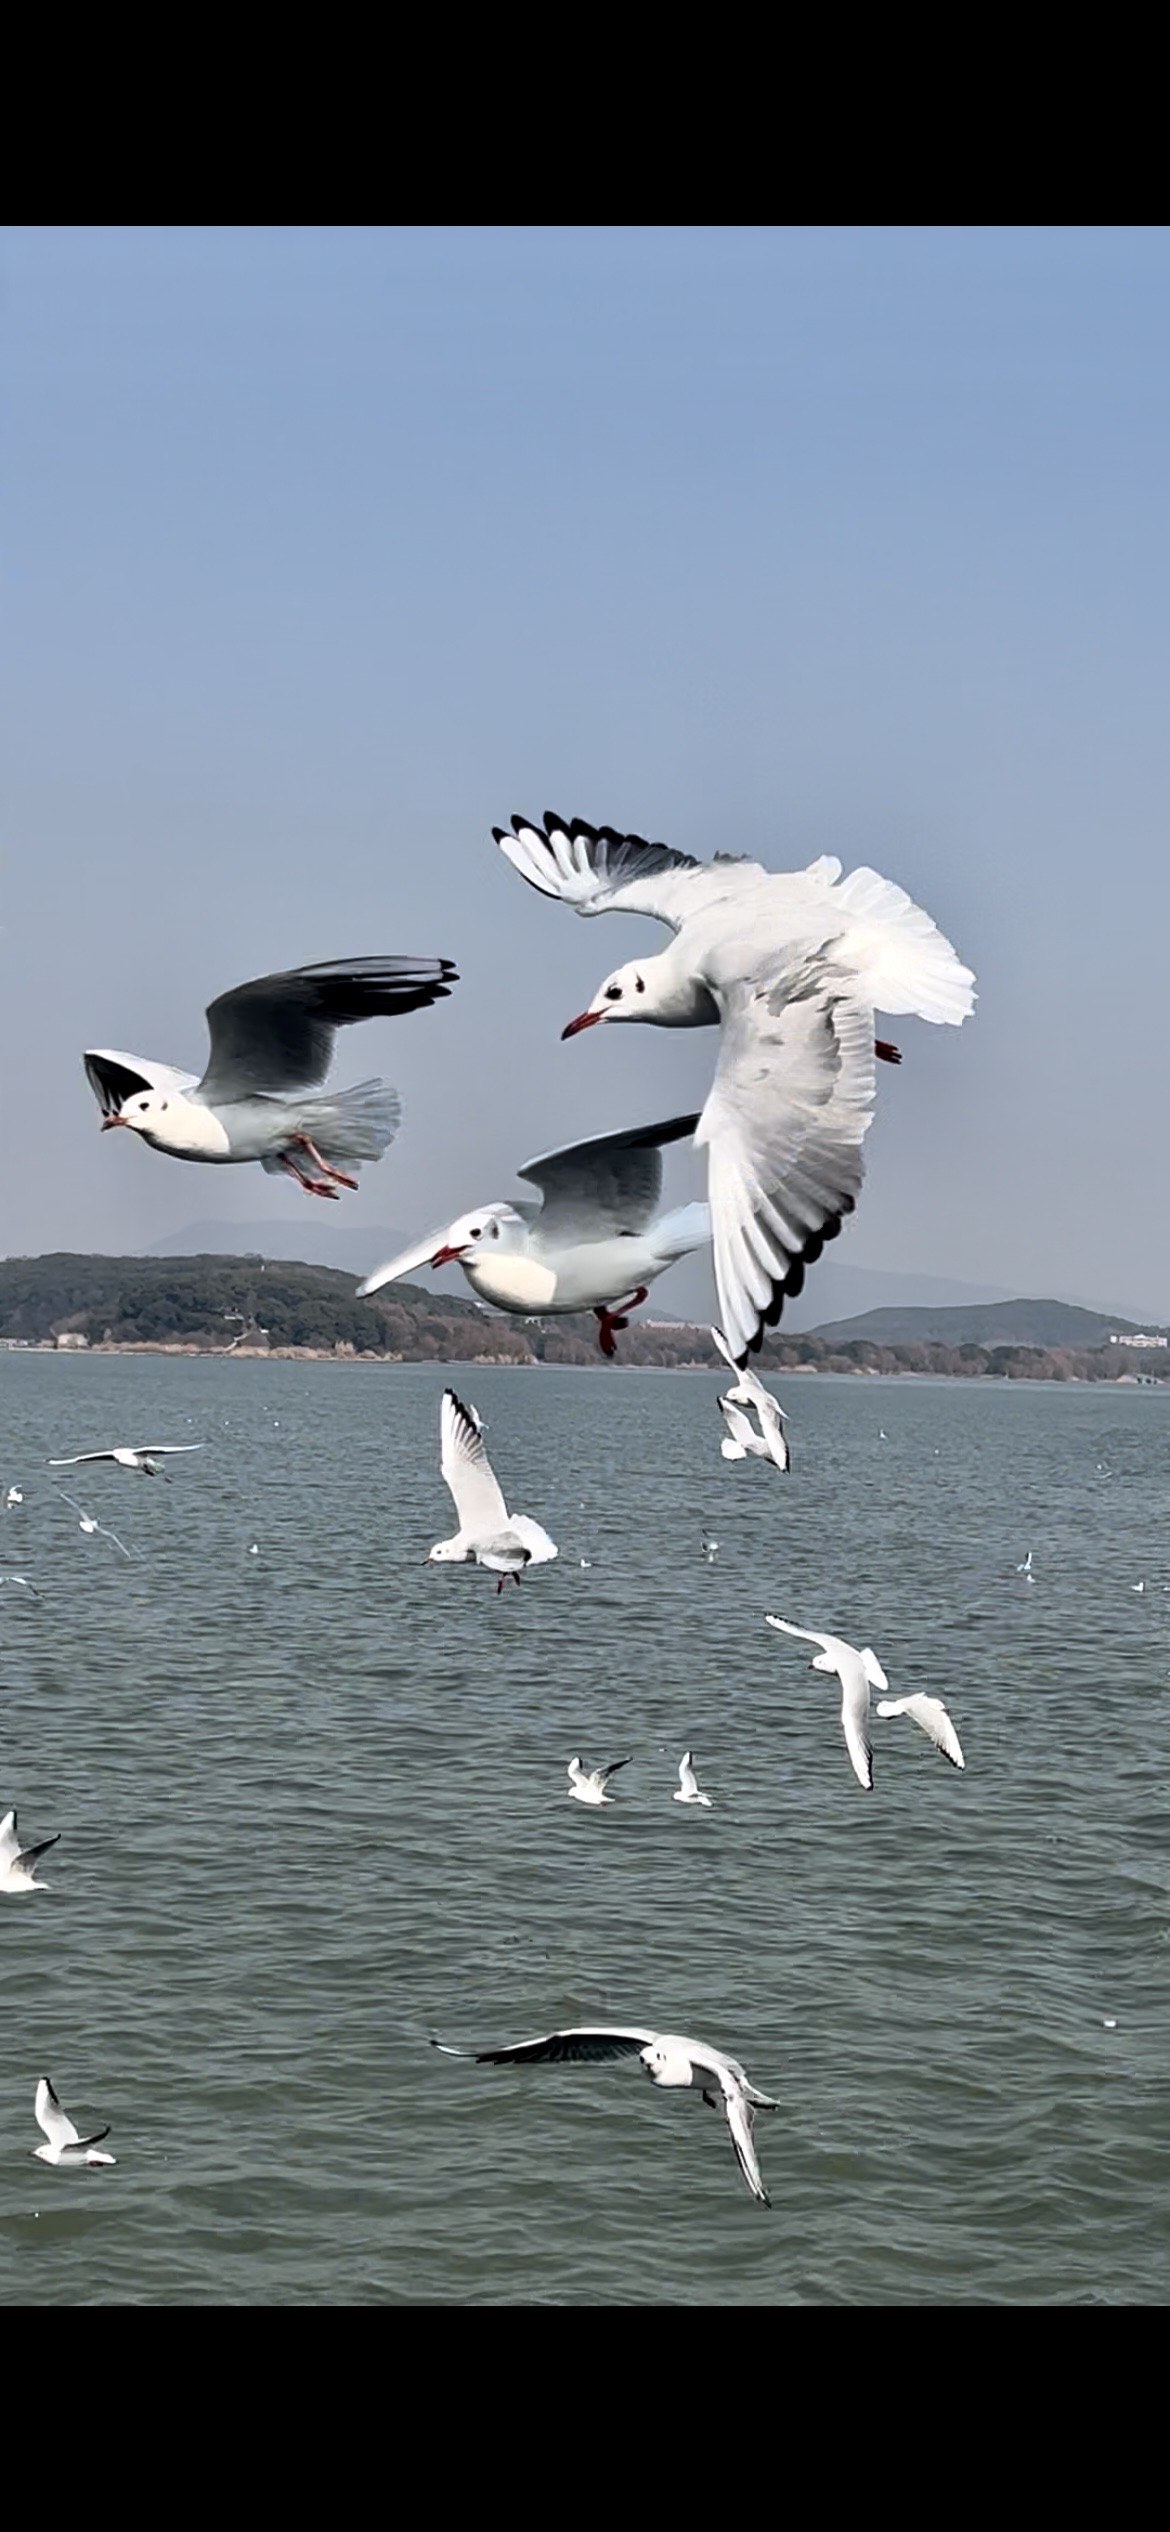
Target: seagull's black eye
{"x": 164, "y": 1107}
{"x": 639, "y": 984}
{"x": 475, "y": 1235}
{"x": 613, "y": 993}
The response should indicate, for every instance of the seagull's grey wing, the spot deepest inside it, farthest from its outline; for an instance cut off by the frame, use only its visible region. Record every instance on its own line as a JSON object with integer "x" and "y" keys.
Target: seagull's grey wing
{"x": 598, "y": 1189}
{"x": 855, "y": 1720}
{"x": 740, "y": 2121}
{"x": 276, "y": 1034}
{"x": 597, "y": 871}
{"x": 931, "y": 1716}
{"x": 29, "y": 1854}
{"x": 783, "y": 1626}
{"x": 114, "y": 1077}
{"x": 606, "y": 1772}
{"x": 9, "y": 1841}
{"x": 407, "y": 1262}
{"x": 51, "y": 2117}
{"x": 789, "y": 1108}
{"x": 468, "y": 1471}
{"x": 79, "y": 1458}
{"x": 560, "y": 2048}
{"x": 156, "y": 1450}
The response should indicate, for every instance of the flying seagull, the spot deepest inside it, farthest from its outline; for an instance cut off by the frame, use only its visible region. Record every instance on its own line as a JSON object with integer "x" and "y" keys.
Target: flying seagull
{"x": 741, "y": 1440}
{"x": 857, "y": 1672}
{"x": 86, "y": 1522}
{"x": 65, "y": 2145}
{"x": 667, "y": 2059}
{"x": 488, "y": 1533}
{"x": 588, "y": 1784}
{"x": 688, "y": 1784}
{"x": 792, "y": 966}
{"x": 931, "y": 1716}
{"x": 592, "y": 1244}
{"x": 260, "y": 1097}
{"x": 144, "y": 1457}
{"x": 17, "y": 1863}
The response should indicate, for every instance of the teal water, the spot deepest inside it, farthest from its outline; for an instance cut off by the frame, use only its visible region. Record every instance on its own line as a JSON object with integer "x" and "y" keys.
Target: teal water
{"x": 313, "y": 1812}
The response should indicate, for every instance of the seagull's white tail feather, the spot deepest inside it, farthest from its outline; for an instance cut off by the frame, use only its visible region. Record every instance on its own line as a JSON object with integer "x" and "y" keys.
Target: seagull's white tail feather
{"x": 540, "y": 1547}
{"x": 905, "y": 963}
{"x": 680, "y": 1232}
{"x": 351, "y": 1125}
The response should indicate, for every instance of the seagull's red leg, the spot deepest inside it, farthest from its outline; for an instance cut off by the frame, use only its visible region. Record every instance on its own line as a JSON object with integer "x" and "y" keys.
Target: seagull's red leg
{"x": 501, "y": 1579}
{"x": 610, "y": 1324}
{"x": 889, "y": 1054}
{"x": 312, "y": 1186}
{"x": 327, "y": 1166}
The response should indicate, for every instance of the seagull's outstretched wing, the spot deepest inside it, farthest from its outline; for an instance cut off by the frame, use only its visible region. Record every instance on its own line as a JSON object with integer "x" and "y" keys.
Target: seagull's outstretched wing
{"x": 597, "y": 871}
{"x": 156, "y": 1450}
{"x": 789, "y": 1108}
{"x": 872, "y": 1668}
{"x": 740, "y": 2118}
{"x": 114, "y": 1077}
{"x": 606, "y": 1772}
{"x": 558, "y": 2048}
{"x": 52, "y": 2118}
{"x": 541, "y": 1549}
{"x": 737, "y": 1443}
{"x": 9, "y": 1841}
{"x": 931, "y": 1716}
{"x": 276, "y": 1034}
{"x": 855, "y": 1721}
{"x": 28, "y": 1854}
{"x": 406, "y": 1263}
{"x": 468, "y": 1471}
{"x": 828, "y": 1643}
{"x": 79, "y": 1458}
{"x": 598, "y": 1189}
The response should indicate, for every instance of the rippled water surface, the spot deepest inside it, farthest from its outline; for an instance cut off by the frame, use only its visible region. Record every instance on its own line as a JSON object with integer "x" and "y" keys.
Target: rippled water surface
{"x": 313, "y": 1811}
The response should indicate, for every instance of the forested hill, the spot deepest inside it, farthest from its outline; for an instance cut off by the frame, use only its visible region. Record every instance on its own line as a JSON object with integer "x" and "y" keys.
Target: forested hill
{"x": 1042, "y": 1323}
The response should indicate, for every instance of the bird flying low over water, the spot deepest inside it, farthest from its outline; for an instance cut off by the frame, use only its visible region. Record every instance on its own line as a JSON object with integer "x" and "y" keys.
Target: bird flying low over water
{"x": 260, "y": 1097}
{"x": 791, "y": 965}
{"x": 741, "y": 1440}
{"x": 688, "y": 1784}
{"x": 858, "y": 1672}
{"x": 667, "y": 2060}
{"x": 144, "y": 1457}
{"x": 64, "y": 2145}
{"x": 592, "y": 1244}
{"x": 587, "y": 1784}
{"x": 488, "y": 1533}
{"x": 931, "y": 1716}
{"x": 17, "y": 1862}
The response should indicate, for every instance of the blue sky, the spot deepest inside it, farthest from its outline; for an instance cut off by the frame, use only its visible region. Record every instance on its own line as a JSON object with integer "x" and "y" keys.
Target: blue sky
{"x": 327, "y": 549}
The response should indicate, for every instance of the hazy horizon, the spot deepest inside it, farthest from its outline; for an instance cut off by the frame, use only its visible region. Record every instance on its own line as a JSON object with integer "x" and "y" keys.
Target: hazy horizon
{"x": 330, "y": 548}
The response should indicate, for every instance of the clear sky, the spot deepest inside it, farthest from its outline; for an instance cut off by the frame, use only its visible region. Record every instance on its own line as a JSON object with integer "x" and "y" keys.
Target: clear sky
{"x": 326, "y": 549}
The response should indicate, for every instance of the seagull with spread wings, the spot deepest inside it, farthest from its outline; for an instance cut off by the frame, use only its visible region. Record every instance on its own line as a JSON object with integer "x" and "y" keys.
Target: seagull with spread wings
{"x": 260, "y": 1097}
{"x": 18, "y": 1863}
{"x": 488, "y": 1534}
{"x": 594, "y": 1243}
{"x": 667, "y": 2059}
{"x": 858, "y": 1672}
{"x": 792, "y": 966}
{"x": 64, "y": 2144}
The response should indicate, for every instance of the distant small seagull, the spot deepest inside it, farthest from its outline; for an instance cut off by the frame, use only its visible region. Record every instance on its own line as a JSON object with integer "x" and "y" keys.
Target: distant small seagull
{"x": 1026, "y": 1567}
{"x": 86, "y": 1522}
{"x": 588, "y": 1784}
{"x": 23, "y": 1583}
{"x": 857, "y": 1672}
{"x": 667, "y": 2060}
{"x": 741, "y": 1441}
{"x": 65, "y": 2145}
{"x": 17, "y": 1862}
{"x": 12, "y": 1498}
{"x": 487, "y": 1532}
{"x": 688, "y": 1784}
{"x": 931, "y": 1716}
{"x": 260, "y": 1098}
{"x": 145, "y": 1457}
{"x": 710, "y": 1548}
{"x": 1137, "y": 1586}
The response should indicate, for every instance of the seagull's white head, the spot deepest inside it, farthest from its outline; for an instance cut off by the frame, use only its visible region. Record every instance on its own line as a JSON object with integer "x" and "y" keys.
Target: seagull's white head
{"x": 476, "y": 1234}
{"x": 651, "y": 989}
{"x": 171, "y": 1123}
{"x": 667, "y": 2065}
{"x": 822, "y": 1661}
{"x": 448, "y": 1552}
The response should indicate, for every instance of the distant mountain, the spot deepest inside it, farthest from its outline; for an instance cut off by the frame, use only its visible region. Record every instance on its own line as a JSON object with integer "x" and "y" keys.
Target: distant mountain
{"x": 1044, "y": 1323}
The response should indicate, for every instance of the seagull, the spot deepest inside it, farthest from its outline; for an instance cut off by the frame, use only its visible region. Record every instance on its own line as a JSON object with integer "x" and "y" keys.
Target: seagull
{"x": 65, "y": 2145}
{"x": 260, "y": 1098}
{"x": 91, "y": 1527}
{"x": 16, "y": 1862}
{"x": 792, "y": 965}
{"x": 858, "y": 1672}
{"x": 710, "y": 1548}
{"x": 488, "y": 1532}
{"x": 24, "y": 1584}
{"x": 592, "y": 1244}
{"x": 688, "y": 1784}
{"x": 588, "y": 1784}
{"x": 1026, "y": 1567}
{"x": 667, "y": 2059}
{"x": 931, "y": 1716}
{"x": 12, "y": 1498}
{"x": 144, "y": 1457}
{"x": 741, "y": 1440}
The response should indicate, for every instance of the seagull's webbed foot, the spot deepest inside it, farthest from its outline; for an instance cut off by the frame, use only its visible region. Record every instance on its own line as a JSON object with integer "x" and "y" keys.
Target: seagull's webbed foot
{"x": 312, "y": 1186}
{"x": 323, "y": 1164}
{"x": 612, "y": 1323}
{"x": 887, "y": 1053}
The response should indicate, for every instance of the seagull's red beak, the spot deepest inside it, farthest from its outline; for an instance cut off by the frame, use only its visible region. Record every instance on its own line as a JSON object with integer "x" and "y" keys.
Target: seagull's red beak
{"x": 446, "y": 1256}
{"x": 107, "y": 1122}
{"x": 584, "y": 1020}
